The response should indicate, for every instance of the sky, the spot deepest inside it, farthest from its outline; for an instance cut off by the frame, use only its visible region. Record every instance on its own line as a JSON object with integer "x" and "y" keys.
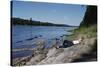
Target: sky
{"x": 70, "y": 14}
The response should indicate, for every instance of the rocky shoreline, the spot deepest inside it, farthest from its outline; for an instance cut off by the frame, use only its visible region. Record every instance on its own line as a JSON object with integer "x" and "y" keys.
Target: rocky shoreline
{"x": 39, "y": 52}
{"x": 54, "y": 55}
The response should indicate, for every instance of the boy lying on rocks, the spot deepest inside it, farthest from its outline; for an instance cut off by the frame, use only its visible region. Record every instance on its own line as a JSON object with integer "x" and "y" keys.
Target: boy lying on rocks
{"x": 67, "y": 43}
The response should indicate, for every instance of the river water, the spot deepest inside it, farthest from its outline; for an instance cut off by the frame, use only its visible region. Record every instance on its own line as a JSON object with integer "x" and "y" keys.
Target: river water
{"x": 23, "y": 36}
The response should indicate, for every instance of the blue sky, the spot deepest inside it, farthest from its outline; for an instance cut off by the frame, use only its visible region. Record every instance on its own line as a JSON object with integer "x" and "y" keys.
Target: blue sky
{"x": 49, "y": 12}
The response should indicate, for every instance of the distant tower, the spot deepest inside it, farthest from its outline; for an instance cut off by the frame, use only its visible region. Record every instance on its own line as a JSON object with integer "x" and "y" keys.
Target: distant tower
{"x": 30, "y": 19}
{"x": 31, "y": 27}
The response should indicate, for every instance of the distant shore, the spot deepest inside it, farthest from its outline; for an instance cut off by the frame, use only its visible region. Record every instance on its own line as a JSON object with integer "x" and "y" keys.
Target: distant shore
{"x": 20, "y": 21}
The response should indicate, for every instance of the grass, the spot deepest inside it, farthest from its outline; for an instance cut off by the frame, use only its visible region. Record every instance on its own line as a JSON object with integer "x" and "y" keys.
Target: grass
{"x": 86, "y": 32}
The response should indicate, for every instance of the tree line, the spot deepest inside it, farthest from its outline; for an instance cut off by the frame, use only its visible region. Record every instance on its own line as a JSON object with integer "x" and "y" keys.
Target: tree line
{"x": 20, "y": 21}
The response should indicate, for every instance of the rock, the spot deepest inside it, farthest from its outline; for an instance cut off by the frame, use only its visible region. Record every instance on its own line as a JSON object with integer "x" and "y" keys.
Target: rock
{"x": 40, "y": 35}
{"x": 36, "y": 37}
{"x": 36, "y": 59}
{"x": 40, "y": 42}
{"x": 52, "y": 55}
{"x": 67, "y": 55}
